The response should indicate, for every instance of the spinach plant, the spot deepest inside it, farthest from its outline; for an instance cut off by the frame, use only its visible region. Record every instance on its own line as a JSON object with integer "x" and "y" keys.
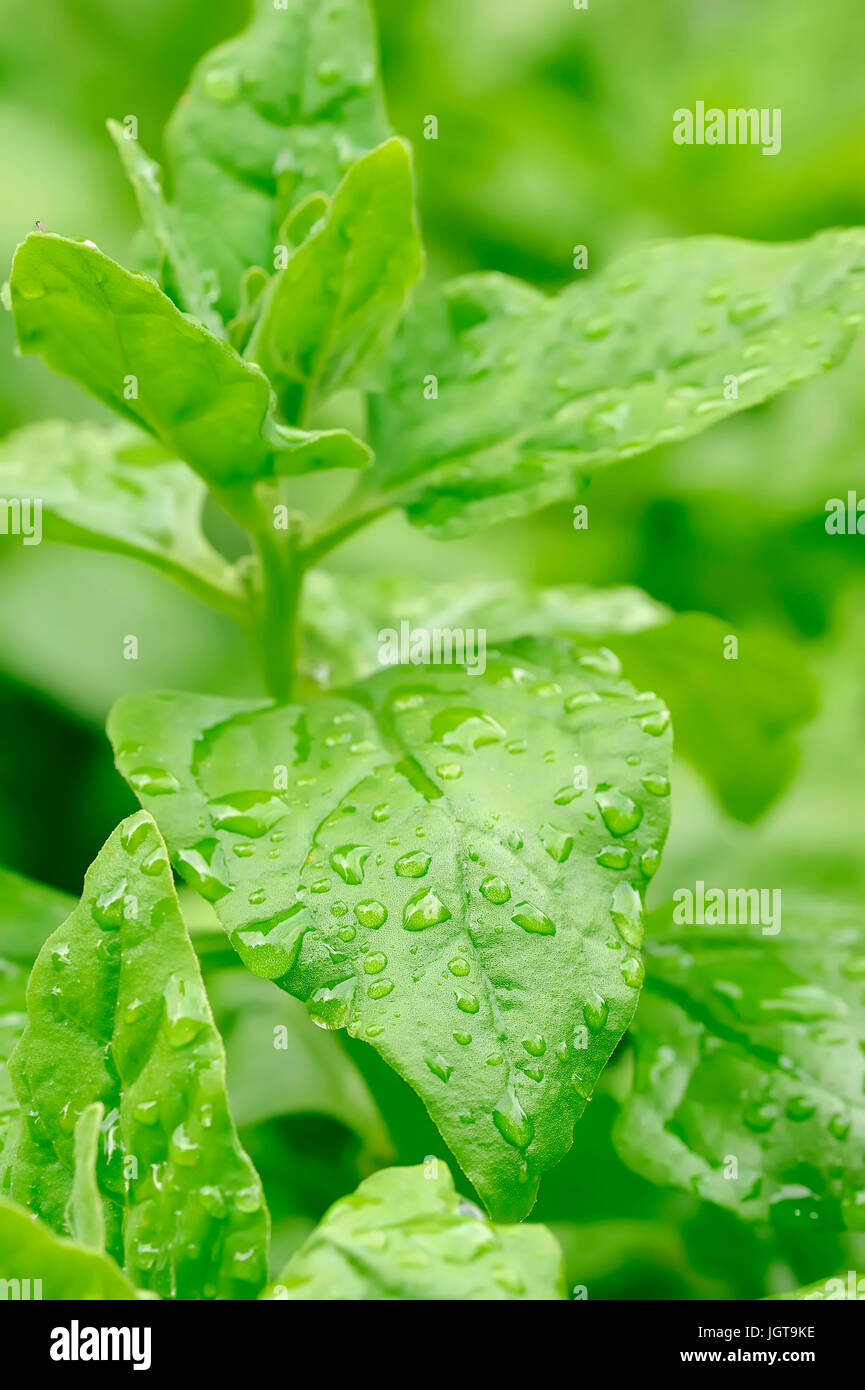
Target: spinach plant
{"x": 449, "y": 866}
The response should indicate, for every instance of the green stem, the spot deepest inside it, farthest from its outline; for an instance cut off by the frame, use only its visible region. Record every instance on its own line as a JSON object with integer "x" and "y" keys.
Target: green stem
{"x": 279, "y": 596}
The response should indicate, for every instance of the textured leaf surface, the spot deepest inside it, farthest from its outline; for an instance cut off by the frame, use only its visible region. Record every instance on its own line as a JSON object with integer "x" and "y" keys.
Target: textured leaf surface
{"x": 750, "y": 1046}
{"x": 406, "y": 1234}
{"x": 430, "y": 878}
{"x": 534, "y": 392}
{"x": 68, "y": 1271}
{"x": 331, "y": 312}
{"x": 118, "y": 334}
{"x": 118, "y": 1014}
{"x": 275, "y": 114}
{"x": 112, "y": 489}
{"x": 734, "y": 719}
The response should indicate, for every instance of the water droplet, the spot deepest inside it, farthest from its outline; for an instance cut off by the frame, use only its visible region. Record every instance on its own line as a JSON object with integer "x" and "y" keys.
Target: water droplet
{"x": 633, "y": 971}
{"x": 626, "y": 910}
{"x": 512, "y": 1122}
{"x": 595, "y": 1011}
{"x": 620, "y": 814}
{"x": 425, "y": 909}
{"x": 348, "y": 861}
{"x": 330, "y": 1006}
{"x": 374, "y": 963}
{"x": 247, "y": 813}
{"x": 186, "y": 1011}
{"x": 614, "y": 857}
{"x": 649, "y": 861}
{"x": 203, "y": 866}
{"x": 370, "y": 913}
{"x": 413, "y": 865}
{"x": 379, "y": 990}
{"x": 532, "y": 919}
{"x": 153, "y": 781}
{"x": 535, "y": 1046}
{"x": 465, "y": 729}
{"x": 459, "y": 966}
{"x": 657, "y": 784}
{"x": 495, "y": 890}
{"x": 135, "y": 831}
{"x": 439, "y": 1065}
{"x": 469, "y": 1003}
{"x": 656, "y": 724}
{"x": 557, "y": 843}
{"x": 800, "y": 1108}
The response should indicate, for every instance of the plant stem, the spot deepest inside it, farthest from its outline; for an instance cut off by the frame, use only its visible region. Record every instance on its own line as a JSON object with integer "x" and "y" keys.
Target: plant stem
{"x": 279, "y": 604}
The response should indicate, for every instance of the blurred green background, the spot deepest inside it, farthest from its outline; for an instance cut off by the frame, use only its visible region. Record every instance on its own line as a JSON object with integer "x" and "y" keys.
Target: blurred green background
{"x": 554, "y": 130}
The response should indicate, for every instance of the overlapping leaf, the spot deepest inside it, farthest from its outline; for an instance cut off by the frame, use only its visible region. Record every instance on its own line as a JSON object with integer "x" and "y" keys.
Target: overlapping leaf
{"x": 124, "y": 340}
{"x": 277, "y": 113}
{"x": 750, "y": 1078}
{"x": 112, "y": 489}
{"x": 734, "y": 719}
{"x": 417, "y": 864}
{"x": 499, "y": 399}
{"x": 331, "y": 312}
{"x": 65, "y": 1270}
{"x": 406, "y": 1234}
{"x": 28, "y": 913}
{"x": 117, "y": 1015}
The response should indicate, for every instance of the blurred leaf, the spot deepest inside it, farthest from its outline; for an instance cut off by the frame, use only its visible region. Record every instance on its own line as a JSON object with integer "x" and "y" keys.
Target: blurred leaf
{"x": 749, "y": 1049}
{"x": 67, "y": 1270}
{"x": 278, "y": 1065}
{"x": 117, "y": 1014}
{"x": 733, "y": 719}
{"x": 330, "y": 314}
{"x": 534, "y": 393}
{"x": 273, "y": 115}
{"x": 29, "y": 912}
{"x": 112, "y": 489}
{"x": 840, "y": 1287}
{"x": 406, "y": 1234}
{"x": 449, "y": 803}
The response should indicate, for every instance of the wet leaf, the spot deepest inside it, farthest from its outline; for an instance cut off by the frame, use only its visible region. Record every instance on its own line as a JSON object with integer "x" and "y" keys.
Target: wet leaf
{"x": 406, "y": 1234}
{"x": 750, "y": 1069}
{"x": 117, "y": 1014}
{"x": 415, "y": 862}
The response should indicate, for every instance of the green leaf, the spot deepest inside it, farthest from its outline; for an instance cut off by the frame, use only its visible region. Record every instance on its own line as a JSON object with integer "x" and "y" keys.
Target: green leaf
{"x": 329, "y": 315}
{"x": 112, "y": 489}
{"x": 195, "y": 291}
{"x": 849, "y": 1285}
{"x": 67, "y": 1270}
{"x": 123, "y": 339}
{"x": 535, "y": 393}
{"x": 734, "y": 719}
{"x": 118, "y": 1015}
{"x": 749, "y": 1049}
{"x": 415, "y": 863}
{"x": 312, "y": 451}
{"x": 277, "y": 113}
{"x": 407, "y": 1234}
{"x": 278, "y": 1065}
{"x": 84, "y": 1215}
{"x": 28, "y": 913}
